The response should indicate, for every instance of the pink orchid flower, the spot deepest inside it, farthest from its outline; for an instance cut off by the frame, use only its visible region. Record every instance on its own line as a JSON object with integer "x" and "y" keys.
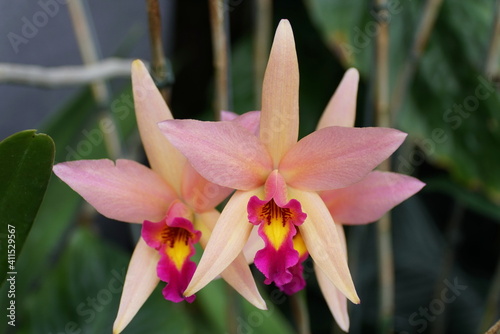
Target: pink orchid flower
{"x": 278, "y": 179}
{"x": 172, "y": 201}
{"x": 360, "y": 203}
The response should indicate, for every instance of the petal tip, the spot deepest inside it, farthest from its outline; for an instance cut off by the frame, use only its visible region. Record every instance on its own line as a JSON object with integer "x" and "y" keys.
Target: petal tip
{"x": 400, "y": 133}
{"x": 284, "y": 22}
{"x": 57, "y": 168}
{"x": 117, "y": 328}
{"x": 190, "y": 291}
{"x": 355, "y": 299}
{"x": 257, "y": 301}
{"x": 138, "y": 66}
{"x": 353, "y": 73}
{"x": 262, "y": 306}
{"x": 344, "y": 326}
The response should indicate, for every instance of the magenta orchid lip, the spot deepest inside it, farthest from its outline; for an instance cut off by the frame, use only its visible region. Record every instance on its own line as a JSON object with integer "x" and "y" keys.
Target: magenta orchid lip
{"x": 279, "y": 260}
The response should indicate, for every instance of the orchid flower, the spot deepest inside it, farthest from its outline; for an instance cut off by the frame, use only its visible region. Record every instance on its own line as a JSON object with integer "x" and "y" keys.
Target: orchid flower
{"x": 277, "y": 179}
{"x": 363, "y": 202}
{"x": 174, "y": 204}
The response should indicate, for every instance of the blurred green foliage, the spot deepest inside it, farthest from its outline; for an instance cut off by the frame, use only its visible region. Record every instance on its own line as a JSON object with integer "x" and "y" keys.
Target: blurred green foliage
{"x": 451, "y": 109}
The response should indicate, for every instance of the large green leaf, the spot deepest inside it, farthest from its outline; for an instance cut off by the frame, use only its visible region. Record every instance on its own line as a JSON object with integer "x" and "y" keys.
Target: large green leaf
{"x": 74, "y": 129}
{"x": 84, "y": 290}
{"x": 451, "y": 110}
{"x": 27, "y": 159}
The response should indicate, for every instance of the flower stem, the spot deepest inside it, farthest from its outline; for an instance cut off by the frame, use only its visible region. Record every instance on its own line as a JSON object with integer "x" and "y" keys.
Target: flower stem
{"x": 494, "y": 329}
{"x": 420, "y": 39}
{"x": 159, "y": 65}
{"x": 491, "y": 309}
{"x": 383, "y": 119}
{"x": 300, "y": 312}
{"x": 451, "y": 236}
{"x": 219, "y": 21}
{"x": 386, "y": 274}
{"x": 491, "y": 63}
{"x": 89, "y": 50}
{"x": 233, "y": 309}
{"x": 262, "y": 44}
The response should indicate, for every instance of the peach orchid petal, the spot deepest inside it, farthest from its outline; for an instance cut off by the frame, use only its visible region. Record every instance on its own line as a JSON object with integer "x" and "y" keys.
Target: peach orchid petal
{"x": 335, "y": 157}
{"x": 227, "y": 116}
{"x": 140, "y": 282}
{"x": 205, "y": 222}
{"x": 341, "y": 109}
{"x": 336, "y": 301}
{"x": 150, "y": 108}
{"x": 279, "y": 122}
{"x": 222, "y": 152}
{"x": 368, "y": 200}
{"x": 238, "y": 273}
{"x": 323, "y": 242}
{"x": 199, "y": 193}
{"x": 249, "y": 120}
{"x": 226, "y": 242}
{"x": 254, "y": 244}
{"x": 127, "y": 191}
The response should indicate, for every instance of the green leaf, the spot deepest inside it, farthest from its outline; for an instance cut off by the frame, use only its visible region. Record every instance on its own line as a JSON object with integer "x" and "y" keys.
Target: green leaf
{"x": 84, "y": 290}
{"x": 27, "y": 159}
{"x": 451, "y": 108}
{"x": 339, "y": 21}
{"x": 474, "y": 200}
{"x": 73, "y": 129}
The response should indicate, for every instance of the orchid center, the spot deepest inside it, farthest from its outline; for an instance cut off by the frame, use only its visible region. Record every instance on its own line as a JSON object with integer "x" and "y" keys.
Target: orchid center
{"x": 278, "y": 221}
{"x": 177, "y": 241}
{"x": 276, "y": 225}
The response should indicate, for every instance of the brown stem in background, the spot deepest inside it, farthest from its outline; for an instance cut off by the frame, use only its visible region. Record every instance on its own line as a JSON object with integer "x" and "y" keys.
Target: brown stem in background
{"x": 263, "y": 17}
{"x": 492, "y": 308}
{"x": 383, "y": 119}
{"x": 219, "y": 21}
{"x": 494, "y": 329}
{"x": 89, "y": 50}
{"x": 300, "y": 312}
{"x": 449, "y": 254}
{"x": 420, "y": 40}
{"x": 491, "y": 63}
{"x": 158, "y": 61}
{"x": 219, "y": 24}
